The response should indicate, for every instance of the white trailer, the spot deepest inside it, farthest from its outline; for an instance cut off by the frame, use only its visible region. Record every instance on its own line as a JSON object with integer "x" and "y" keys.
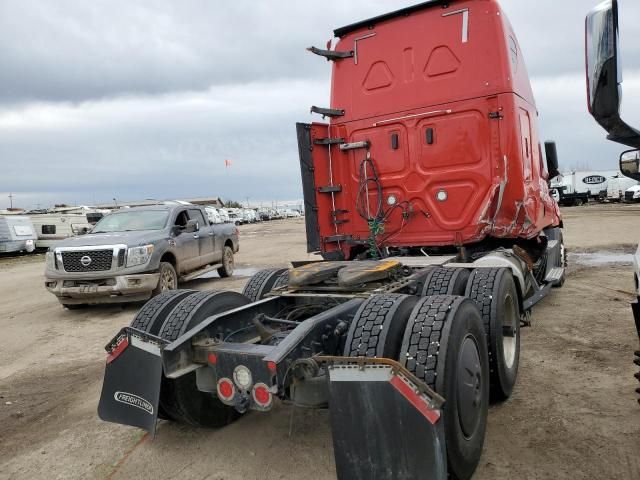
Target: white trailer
{"x": 617, "y": 187}
{"x": 17, "y": 234}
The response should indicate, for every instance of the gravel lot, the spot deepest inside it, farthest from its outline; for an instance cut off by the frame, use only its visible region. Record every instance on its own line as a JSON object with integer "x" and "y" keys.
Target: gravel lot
{"x": 573, "y": 413}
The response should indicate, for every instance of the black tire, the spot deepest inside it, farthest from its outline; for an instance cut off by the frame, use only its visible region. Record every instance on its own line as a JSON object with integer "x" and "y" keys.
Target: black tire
{"x": 378, "y": 326}
{"x": 228, "y": 263}
{"x": 282, "y": 280}
{"x": 444, "y": 345}
{"x": 75, "y": 306}
{"x": 262, "y": 282}
{"x": 152, "y": 315}
{"x": 180, "y": 397}
{"x": 446, "y": 281}
{"x": 494, "y": 292}
{"x": 168, "y": 279}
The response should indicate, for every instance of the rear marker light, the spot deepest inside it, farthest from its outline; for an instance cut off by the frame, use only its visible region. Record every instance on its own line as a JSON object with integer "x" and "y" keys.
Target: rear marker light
{"x": 226, "y": 390}
{"x": 213, "y": 358}
{"x": 117, "y": 350}
{"x": 261, "y": 395}
{"x": 272, "y": 367}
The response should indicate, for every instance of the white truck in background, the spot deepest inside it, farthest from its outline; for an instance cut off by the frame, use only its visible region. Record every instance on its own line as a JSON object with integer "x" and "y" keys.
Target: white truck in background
{"x": 618, "y": 187}
{"x": 577, "y": 188}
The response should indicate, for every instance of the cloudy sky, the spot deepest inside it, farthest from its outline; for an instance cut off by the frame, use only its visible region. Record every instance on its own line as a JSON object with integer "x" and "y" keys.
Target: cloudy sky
{"x": 146, "y": 99}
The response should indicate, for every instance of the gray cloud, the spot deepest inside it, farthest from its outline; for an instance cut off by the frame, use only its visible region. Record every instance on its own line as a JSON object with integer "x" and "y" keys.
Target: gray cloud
{"x": 146, "y": 99}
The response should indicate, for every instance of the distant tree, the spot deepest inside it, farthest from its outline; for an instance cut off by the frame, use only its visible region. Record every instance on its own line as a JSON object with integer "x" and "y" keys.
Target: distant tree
{"x": 232, "y": 204}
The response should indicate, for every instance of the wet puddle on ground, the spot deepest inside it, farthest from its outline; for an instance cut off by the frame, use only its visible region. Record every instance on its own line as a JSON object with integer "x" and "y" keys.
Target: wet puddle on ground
{"x": 238, "y": 272}
{"x": 599, "y": 259}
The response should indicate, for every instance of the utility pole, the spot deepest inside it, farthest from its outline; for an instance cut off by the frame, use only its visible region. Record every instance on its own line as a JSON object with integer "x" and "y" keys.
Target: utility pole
{"x": 10, "y": 200}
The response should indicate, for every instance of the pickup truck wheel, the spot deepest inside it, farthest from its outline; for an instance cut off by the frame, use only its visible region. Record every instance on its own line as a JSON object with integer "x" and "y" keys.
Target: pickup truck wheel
{"x": 378, "y": 326}
{"x": 168, "y": 279}
{"x": 226, "y": 270}
{"x": 444, "y": 345}
{"x": 180, "y": 397}
{"x": 263, "y": 282}
{"x": 74, "y": 306}
{"x": 495, "y": 294}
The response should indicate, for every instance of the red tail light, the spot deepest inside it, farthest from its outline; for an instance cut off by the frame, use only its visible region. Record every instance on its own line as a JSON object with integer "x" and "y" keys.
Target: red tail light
{"x": 226, "y": 390}
{"x": 261, "y": 395}
{"x": 118, "y": 349}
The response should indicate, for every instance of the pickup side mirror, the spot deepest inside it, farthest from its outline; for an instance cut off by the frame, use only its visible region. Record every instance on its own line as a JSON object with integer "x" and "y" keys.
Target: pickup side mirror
{"x": 552, "y": 159}
{"x": 630, "y": 164}
{"x": 192, "y": 226}
{"x": 604, "y": 73}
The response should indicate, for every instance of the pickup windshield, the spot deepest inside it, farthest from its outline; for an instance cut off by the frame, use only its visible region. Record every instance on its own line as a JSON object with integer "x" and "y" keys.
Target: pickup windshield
{"x": 132, "y": 221}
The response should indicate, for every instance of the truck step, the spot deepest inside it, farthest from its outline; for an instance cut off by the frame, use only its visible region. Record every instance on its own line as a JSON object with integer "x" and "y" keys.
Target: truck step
{"x": 197, "y": 273}
{"x": 554, "y": 275}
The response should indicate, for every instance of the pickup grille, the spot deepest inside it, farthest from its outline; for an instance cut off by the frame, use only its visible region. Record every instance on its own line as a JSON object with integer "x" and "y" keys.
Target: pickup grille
{"x": 99, "y": 261}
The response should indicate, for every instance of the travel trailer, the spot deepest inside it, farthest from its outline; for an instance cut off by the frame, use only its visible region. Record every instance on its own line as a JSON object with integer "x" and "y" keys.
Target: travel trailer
{"x": 16, "y": 234}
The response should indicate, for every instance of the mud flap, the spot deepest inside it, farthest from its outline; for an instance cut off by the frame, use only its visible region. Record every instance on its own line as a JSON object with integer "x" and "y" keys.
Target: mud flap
{"x": 131, "y": 388}
{"x": 385, "y": 424}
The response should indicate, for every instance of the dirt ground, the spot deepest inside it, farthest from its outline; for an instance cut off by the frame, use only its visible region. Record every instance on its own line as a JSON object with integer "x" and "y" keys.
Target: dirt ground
{"x": 573, "y": 413}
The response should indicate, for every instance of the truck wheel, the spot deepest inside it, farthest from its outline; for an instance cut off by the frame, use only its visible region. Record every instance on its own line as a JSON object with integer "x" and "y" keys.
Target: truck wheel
{"x": 446, "y": 281}
{"x": 153, "y": 313}
{"x": 75, "y": 306}
{"x": 180, "y": 397}
{"x": 168, "y": 279}
{"x": 444, "y": 345}
{"x": 226, "y": 270}
{"x": 577, "y": 202}
{"x": 494, "y": 291}
{"x": 377, "y": 327}
{"x": 262, "y": 282}
{"x": 282, "y": 280}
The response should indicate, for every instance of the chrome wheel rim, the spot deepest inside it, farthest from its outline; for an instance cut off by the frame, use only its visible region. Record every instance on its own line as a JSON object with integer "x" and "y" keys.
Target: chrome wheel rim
{"x": 167, "y": 279}
{"x": 509, "y": 332}
{"x": 228, "y": 261}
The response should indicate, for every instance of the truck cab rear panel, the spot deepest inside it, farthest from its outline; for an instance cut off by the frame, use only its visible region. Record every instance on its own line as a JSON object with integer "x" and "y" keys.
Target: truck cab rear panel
{"x": 451, "y": 127}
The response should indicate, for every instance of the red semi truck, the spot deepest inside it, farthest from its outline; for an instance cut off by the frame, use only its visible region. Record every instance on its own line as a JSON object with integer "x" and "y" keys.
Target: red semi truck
{"x": 426, "y": 194}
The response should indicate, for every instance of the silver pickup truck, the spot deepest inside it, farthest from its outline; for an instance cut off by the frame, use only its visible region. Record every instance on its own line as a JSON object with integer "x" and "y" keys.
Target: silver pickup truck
{"x": 136, "y": 253}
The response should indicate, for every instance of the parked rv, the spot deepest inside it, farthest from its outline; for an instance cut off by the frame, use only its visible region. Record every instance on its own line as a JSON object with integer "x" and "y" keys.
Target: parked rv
{"x": 213, "y": 214}
{"x": 53, "y": 227}
{"x": 17, "y": 234}
{"x": 224, "y": 215}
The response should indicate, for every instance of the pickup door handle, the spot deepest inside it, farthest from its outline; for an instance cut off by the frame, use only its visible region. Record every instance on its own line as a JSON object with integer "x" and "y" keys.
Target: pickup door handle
{"x": 195, "y": 235}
